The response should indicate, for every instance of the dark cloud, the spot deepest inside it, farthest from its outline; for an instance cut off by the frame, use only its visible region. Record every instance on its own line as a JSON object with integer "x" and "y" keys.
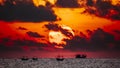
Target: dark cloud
{"x": 66, "y": 32}
{"x": 103, "y": 9}
{"x": 48, "y": 4}
{"x": 67, "y": 3}
{"x": 99, "y": 36}
{"x": 25, "y": 42}
{"x": 52, "y": 26}
{"x": 56, "y": 27}
{"x": 22, "y": 28}
{"x": 26, "y": 13}
{"x": 5, "y": 39}
{"x": 89, "y": 3}
{"x": 34, "y": 34}
{"x": 6, "y": 45}
{"x": 76, "y": 44}
{"x": 117, "y": 31}
{"x": 99, "y": 41}
{"x": 4, "y": 48}
{"x": 18, "y": 45}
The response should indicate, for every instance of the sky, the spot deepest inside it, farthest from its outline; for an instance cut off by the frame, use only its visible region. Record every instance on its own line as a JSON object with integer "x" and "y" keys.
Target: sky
{"x": 47, "y": 28}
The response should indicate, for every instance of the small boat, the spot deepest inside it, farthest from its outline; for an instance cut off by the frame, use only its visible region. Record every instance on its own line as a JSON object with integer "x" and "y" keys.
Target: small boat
{"x": 59, "y": 58}
{"x": 24, "y": 58}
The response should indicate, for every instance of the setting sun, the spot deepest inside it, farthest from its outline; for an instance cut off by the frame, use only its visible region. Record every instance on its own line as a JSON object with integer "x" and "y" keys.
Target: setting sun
{"x": 59, "y": 36}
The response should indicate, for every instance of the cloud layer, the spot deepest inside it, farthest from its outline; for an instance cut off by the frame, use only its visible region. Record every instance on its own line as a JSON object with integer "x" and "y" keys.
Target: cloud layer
{"x": 67, "y": 3}
{"x": 18, "y": 45}
{"x": 26, "y": 13}
{"x": 56, "y": 27}
{"x": 103, "y": 9}
{"x": 34, "y": 34}
{"x": 99, "y": 41}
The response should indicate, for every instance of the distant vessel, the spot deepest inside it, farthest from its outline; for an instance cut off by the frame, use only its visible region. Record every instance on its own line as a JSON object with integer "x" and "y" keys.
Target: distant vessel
{"x": 34, "y": 58}
{"x": 81, "y": 56}
{"x": 24, "y": 58}
{"x": 59, "y": 58}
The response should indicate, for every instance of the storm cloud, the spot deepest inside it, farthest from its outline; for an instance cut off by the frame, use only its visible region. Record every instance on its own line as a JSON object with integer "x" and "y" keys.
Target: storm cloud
{"x": 18, "y": 45}
{"x": 103, "y": 9}
{"x": 99, "y": 41}
{"x": 52, "y": 26}
{"x": 22, "y": 28}
{"x": 34, "y": 34}
{"x": 56, "y": 27}
{"x": 26, "y": 13}
{"x": 116, "y": 31}
{"x": 67, "y": 3}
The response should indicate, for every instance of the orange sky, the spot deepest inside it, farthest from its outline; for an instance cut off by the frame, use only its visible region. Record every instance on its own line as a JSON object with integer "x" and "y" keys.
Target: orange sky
{"x": 71, "y": 17}
{"x": 82, "y": 22}
{"x": 42, "y": 2}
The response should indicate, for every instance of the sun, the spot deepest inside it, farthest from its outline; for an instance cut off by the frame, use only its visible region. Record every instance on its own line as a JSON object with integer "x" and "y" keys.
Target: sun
{"x": 58, "y": 37}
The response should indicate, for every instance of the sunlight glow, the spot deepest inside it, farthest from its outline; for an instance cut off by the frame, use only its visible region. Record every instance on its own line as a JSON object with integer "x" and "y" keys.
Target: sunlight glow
{"x": 52, "y": 1}
{"x": 39, "y": 2}
{"x": 1, "y": 2}
{"x": 115, "y": 2}
{"x": 58, "y": 37}
{"x": 43, "y": 2}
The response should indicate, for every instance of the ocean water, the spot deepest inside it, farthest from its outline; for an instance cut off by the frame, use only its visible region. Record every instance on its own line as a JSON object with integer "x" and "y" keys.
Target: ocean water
{"x": 66, "y": 63}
